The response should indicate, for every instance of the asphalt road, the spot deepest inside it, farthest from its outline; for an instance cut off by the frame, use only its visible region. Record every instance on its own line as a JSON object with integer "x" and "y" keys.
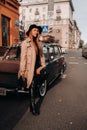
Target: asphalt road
{"x": 63, "y": 108}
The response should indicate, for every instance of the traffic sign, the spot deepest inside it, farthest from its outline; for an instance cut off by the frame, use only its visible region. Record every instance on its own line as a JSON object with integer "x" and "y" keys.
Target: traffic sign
{"x": 45, "y": 29}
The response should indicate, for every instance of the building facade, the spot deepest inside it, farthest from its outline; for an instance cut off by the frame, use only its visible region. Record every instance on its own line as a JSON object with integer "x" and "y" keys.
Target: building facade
{"x": 55, "y": 17}
{"x": 76, "y": 35}
{"x": 9, "y": 20}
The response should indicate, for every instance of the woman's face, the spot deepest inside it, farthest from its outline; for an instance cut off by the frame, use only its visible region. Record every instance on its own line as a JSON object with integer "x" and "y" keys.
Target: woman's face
{"x": 34, "y": 32}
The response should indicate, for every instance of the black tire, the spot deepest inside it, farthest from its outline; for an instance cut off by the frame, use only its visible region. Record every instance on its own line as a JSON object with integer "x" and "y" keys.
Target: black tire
{"x": 43, "y": 89}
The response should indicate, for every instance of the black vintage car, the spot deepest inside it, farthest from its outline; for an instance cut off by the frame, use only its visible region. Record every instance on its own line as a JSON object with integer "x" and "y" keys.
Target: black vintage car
{"x": 9, "y": 66}
{"x": 84, "y": 51}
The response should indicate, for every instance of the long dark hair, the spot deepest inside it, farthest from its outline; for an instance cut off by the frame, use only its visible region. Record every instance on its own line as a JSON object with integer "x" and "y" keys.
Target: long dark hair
{"x": 37, "y": 42}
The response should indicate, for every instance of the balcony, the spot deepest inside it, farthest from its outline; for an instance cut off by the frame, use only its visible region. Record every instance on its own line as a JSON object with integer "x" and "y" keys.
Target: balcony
{"x": 58, "y": 18}
{"x": 37, "y": 12}
{"x": 58, "y": 11}
{"x": 51, "y": 23}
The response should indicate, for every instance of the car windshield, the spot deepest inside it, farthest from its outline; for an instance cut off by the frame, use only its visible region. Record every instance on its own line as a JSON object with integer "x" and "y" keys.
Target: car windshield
{"x": 12, "y": 53}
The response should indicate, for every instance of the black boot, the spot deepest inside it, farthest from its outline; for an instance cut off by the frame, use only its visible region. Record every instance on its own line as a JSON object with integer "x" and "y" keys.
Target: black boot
{"x": 35, "y": 111}
{"x": 32, "y": 100}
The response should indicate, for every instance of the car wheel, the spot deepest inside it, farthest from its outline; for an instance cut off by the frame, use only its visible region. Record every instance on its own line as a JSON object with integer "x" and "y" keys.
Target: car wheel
{"x": 43, "y": 89}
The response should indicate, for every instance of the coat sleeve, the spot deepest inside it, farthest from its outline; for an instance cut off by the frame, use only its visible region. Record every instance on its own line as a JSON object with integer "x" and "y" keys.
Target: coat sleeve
{"x": 23, "y": 58}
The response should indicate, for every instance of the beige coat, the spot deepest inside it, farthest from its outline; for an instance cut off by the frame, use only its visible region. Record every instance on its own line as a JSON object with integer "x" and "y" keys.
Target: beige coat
{"x": 27, "y": 61}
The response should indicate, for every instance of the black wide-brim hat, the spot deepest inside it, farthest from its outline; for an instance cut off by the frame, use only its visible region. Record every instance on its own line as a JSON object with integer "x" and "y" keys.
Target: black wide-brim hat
{"x": 30, "y": 28}
{"x": 40, "y": 29}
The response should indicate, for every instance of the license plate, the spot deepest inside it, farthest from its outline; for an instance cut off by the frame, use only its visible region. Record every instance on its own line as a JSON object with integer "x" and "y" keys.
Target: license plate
{"x": 3, "y": 91}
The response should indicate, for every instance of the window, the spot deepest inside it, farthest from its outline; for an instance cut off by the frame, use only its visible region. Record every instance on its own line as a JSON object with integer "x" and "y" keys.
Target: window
{"x": 50, "y": 5}
{"x": 58, "y": 18}
{"x": 13, "y": 53}
{"x": 12, "y": 5}
{"x": 23, "y": 12}
{"x": 37, "y": 11}
{"x": 23, "y": 17}
{"x": 43, "y": 16}
{"x": 50, "y": 14}
{"x": 3, "y": 1}
{"x": 51, "y": 53}
{"x": 45, "y": 51}
{"x": 5, "y": 31}
{"x": 51, "y": 50}
{"x": 44, "y": 9}
{"x": 30, "y": 10}
{"x": 37, "y": 16}
{"x": 60, "y": 50}
{"x": 58, "y": 11}
{"x": 56, "y": 51}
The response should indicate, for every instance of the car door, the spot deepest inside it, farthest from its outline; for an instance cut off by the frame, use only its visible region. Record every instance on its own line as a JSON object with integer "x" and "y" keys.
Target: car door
{"x": 57, "y": 58}
{"x": 60, "y": 60}
{"x": 46, "y": 55}
{"x": 49, "y": 58}
{"x": 52, "y": 63}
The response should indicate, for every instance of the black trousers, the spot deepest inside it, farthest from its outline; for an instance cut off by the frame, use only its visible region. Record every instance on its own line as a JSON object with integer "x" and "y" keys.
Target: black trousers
{"x": 33, "y": 89}
{"x": 36, "y": 82}
{"x": 32, "y": 96}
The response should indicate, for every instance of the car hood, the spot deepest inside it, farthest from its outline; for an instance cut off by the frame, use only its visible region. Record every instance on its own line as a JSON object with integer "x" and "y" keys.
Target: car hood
{"x": 9, "y": 66}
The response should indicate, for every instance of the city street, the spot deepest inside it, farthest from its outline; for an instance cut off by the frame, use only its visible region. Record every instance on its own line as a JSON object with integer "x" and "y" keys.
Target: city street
{"x": 63, "y": 108}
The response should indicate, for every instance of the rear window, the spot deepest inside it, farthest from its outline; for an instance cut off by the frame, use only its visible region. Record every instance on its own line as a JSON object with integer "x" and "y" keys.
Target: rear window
{"x": 45, "y": 51}
{"x": 12, "y": 53}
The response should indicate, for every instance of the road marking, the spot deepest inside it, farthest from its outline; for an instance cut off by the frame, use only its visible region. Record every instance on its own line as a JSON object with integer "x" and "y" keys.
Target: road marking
{"x": 79, "y": 57}
{"x": 76, "y": 63}
{"x": 72, "y": 57}
{"x": 64, "y": 76}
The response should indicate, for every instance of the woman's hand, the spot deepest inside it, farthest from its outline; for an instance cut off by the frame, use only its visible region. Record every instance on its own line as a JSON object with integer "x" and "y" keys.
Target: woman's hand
{"x": 38, "y": 70}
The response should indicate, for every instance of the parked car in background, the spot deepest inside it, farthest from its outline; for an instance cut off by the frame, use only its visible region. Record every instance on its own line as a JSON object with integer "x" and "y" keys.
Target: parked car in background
{"x": 9, "y": 66}
{"x": 84, "y": 51}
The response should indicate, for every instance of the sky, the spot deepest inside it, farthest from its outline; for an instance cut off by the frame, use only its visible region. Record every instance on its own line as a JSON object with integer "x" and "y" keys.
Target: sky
{"x": 80, "y": 15}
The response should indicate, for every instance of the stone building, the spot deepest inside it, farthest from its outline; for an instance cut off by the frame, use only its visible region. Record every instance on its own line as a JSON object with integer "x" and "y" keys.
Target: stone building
{"x": 55, "y": 17}
{"x": 76, "y": 35}
{"x": 9, "y": 20}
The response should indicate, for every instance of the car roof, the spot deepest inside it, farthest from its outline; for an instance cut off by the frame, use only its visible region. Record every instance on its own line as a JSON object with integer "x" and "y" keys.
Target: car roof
{"x": 50, "y": 44}
{"x": 43, "y": 44}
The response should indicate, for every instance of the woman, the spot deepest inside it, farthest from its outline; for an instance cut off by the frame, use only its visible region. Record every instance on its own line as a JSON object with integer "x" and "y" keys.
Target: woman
{"x": 31, "y": 62}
